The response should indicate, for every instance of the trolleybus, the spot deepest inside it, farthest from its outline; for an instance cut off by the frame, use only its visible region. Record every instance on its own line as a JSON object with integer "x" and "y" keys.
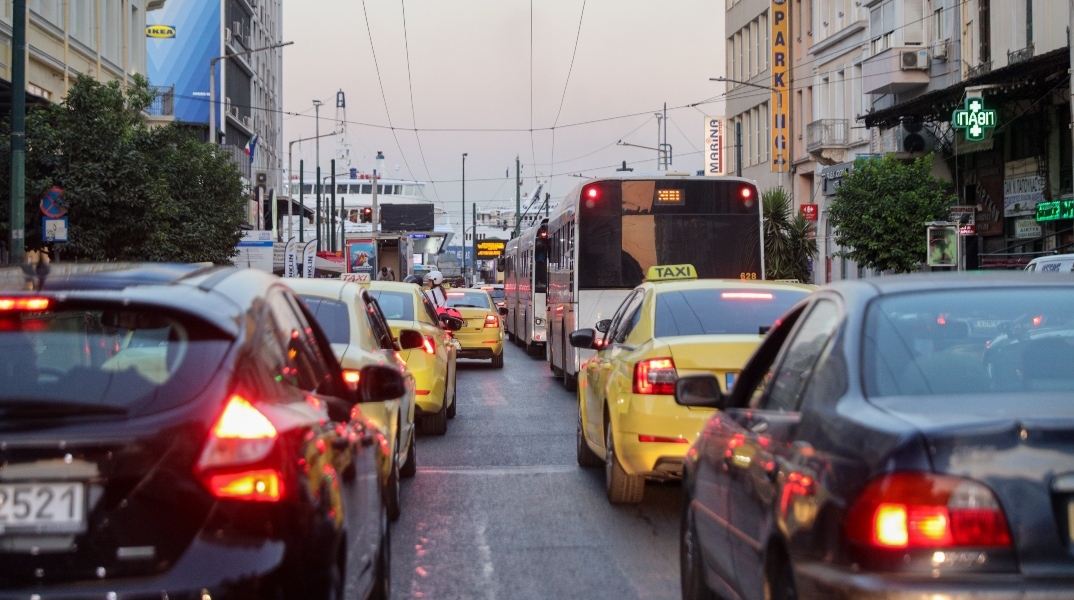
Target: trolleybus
{"x": 606, "y": 233}
{"x": 525, "y": 280}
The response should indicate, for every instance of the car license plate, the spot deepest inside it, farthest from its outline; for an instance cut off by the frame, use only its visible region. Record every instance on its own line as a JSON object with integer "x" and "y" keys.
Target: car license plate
{"x": 993, "y": 324}
{"x": 42, "y": 507}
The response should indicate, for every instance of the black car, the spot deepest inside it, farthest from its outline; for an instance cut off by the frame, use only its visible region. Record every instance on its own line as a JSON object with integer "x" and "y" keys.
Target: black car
{"x": 173, "y": 431}
{"x": 905, "y": 437}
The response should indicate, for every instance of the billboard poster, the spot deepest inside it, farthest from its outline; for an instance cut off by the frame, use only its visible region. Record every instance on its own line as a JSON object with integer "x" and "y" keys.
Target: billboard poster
{"x": 780, "y": 73}
{"x": 714, "y": 140}
{"x": 181, "y": 39}
{"x": 942, "y": 246}
{"x": 362, "y": 259}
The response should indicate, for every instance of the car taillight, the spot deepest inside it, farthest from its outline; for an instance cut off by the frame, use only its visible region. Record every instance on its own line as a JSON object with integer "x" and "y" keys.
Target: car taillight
{"x": 24, "y": 303}
{"x": 662, "y": 440}
{"x": 429, "y": 345}
{"x": 655, "y": 376}
{"x": 233, "y": 462}
{"x": 352, "y": 378}
{"x": 924, "y": 510}
{"x": 491, "y": 321}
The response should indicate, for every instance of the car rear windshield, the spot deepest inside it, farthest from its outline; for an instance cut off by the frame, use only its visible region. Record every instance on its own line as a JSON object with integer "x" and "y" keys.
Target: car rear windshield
{"x": 468, "y": 300}
{"x": 396, "y": 306}
{"x": 496, "y": 293}
{"x": 332, "y": 317}
{"x": 970, "y": 342}
{"x": 103, "y": 359}
{"x": 721, "y": 311}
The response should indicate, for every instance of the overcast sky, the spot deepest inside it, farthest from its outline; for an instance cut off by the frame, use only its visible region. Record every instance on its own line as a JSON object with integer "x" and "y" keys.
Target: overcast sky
{"x": 470, "y": 69}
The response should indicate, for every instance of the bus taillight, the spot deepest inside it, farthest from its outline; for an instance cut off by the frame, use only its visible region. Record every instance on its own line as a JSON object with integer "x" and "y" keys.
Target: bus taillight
{"x": 592, "y": 193}
{"x": 746, "y": 193}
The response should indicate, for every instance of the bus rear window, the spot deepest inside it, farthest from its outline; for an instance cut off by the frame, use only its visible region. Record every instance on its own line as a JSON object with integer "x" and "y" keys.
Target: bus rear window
{"x": 721, "y": 311}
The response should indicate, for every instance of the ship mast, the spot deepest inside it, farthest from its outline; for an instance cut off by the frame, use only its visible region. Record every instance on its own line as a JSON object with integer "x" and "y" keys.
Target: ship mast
{"x": 343, "y": 147}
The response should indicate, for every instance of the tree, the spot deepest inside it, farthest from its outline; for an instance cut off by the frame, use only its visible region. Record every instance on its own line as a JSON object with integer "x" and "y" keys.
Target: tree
{"x": 880, "y": 211}
{"x": 132, "y": 192}
{"x": 788, "y": 243}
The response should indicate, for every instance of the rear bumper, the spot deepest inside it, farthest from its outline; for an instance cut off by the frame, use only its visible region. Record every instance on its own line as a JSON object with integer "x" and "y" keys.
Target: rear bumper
{"x": 827, "y": 582}
{"x": 656, "y": 416}
{"x": 482, "y": 344}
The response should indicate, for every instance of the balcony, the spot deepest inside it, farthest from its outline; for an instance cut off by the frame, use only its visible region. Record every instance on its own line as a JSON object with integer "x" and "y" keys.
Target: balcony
{"x": 828, "y": 139}
{"x": 1017, "y": 56}
{"x": 896, "y": 70}
{"x": 981, "y": 69}
{"x": 163, "y": 101}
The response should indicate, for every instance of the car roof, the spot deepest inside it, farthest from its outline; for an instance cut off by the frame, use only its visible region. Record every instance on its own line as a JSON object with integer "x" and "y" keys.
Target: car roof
{"x": 717, "y": 284}
{"x": 922, "y": 282}
{"x": 395, "y": 286}
{"x": 1052, "y": 257}
{"x": 325, "y": 288}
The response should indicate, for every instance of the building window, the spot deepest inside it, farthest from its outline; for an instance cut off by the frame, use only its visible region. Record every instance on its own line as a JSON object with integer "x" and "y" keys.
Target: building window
{"x": 881, "y": 26}
{"x": 38, "y": 91}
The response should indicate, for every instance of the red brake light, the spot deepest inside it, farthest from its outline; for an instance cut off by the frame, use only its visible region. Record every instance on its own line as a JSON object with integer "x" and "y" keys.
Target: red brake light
{"x": 746, "y": 296}
{"x": 233, "y": 462}
{"x": 655, "y": 376}
{"x": 746, "y": 193}
{"x": 429, "y": 345}
{"x": 592, "y": 193}
{"x": 27, "y": 303}
{"x": 662, "y": 440}
{"x": 923, "y": 510}
{"x": 491, "y": 321}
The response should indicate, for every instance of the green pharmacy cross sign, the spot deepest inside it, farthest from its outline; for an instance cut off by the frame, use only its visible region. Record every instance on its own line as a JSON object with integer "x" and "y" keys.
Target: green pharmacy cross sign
{"x": 974, "y": 119}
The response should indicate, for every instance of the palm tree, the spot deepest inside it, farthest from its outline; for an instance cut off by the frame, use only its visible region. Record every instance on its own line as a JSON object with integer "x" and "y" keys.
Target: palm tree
{"x": 788, "y": 240}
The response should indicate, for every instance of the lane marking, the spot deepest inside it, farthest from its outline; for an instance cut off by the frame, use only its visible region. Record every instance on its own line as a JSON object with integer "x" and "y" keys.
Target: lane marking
{"x": 496, "y": 471}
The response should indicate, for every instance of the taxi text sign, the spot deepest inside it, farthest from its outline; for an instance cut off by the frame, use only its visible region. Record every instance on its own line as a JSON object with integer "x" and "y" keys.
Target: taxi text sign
{"x": 670, "y": 272}
{"x": 490, "y": 248}
{"x": 780, "y": 68}
{"x": 714, "y": 140}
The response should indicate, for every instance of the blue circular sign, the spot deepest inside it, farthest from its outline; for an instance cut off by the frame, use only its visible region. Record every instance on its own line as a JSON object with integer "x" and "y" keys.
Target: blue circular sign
{"x": 52, "y": 203}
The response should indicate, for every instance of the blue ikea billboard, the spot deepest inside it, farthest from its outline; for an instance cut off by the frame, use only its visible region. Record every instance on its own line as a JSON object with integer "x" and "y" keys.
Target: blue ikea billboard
{"x": 181, "y": 39}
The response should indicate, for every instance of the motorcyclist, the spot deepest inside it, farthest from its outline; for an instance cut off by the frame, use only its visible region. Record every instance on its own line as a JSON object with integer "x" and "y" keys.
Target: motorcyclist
{"x": 435, "y": 293}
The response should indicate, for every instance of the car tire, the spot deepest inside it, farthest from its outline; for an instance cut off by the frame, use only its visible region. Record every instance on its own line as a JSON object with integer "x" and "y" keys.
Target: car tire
{"x": 570, "y": 383}
{"x": 382, "y": 575}
{"x": 454, "y": 402}
{"x": 622, "y": 487}
{"x": 586, "y": 457}
{"x": 410, "y": 467}
{"x": 690, "y": 568}
{"x": 497, "y": 360}
{"x": 779, "y": 583}
{"x": 392, "y": 493}
{"x": 436, "y": 423}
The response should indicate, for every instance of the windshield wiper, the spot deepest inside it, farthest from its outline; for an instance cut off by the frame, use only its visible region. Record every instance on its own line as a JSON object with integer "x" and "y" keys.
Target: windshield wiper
{"x": 52, "y": 408}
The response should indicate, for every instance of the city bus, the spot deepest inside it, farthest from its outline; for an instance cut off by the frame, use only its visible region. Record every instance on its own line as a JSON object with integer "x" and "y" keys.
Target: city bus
{"x": 607, "y": 232}
{"x": 525, "y": 280}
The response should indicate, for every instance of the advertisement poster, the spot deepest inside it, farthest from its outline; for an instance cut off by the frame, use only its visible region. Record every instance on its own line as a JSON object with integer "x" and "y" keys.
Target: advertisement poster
{"x": 181, "y": 39}
{"x": 942, "y": 246}
{"x": 1020, "y": 196}
{"x": 309, "y": 259}
{"x": 290, "y": 258}
{"x": 362, "y": 259}
{"x": 780, "y": 75}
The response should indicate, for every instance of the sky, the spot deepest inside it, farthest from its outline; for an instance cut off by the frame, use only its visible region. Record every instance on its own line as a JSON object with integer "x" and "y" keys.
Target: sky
{"x": 472, "y": 66}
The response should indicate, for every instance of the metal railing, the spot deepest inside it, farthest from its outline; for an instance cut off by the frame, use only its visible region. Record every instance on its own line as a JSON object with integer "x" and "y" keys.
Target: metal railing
{"x": 826, "y": 133}
{"x": 981, "y": 69}
{"x": 237, "y": 156}
{"x": 1017, "y": 56}
{"x": 1017, "y": 256}
{"x": 163, "y": 101}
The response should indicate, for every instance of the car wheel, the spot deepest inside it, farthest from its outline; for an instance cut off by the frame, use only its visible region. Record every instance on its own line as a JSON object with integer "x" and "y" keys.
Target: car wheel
{"x": 569, "y": 381}
{"x": 622, "y": 488}
{"x": 391, "y": 492}
{"x": 382, "y": 577}
{"x": 497, "y": 360}
{"x": 779, "y": 583}
{"x": 586, "y": 457}
{"x": 436, "y": 423}
{"x": 690, "y": 567}
{"x": 410, "y": 467}
{"x": 454, "y": 402}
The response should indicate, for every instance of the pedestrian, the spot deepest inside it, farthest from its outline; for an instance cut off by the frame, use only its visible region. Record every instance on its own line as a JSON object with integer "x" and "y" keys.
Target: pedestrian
{"x": 384, "y": 276}
{"x": 436, "y": 294}
{"x": 391, "y": 273}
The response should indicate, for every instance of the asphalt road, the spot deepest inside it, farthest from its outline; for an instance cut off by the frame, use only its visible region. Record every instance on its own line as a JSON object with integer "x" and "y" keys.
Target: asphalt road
{"x": 501, "y": 509}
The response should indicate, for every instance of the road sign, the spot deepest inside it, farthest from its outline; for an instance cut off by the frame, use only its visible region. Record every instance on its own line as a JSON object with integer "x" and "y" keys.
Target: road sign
{"x": 52, "y": 203}
{"x": 54, "y": 230}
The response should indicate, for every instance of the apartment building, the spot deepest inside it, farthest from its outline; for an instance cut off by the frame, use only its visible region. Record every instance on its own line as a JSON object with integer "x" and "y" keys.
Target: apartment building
{"x": 249, "y": 87}
{"x": 65, "y": 38}
{"x": 927, "y": 60}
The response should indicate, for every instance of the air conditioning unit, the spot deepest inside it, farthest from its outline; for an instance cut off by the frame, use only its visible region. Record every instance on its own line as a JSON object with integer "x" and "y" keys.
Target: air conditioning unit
{"x": 914, "y": 60}
{"x": 939, "y": 49}
{"x": 227, "y": 36}
{"x": 236, "y": 29}
{"x": 915, "y": 138}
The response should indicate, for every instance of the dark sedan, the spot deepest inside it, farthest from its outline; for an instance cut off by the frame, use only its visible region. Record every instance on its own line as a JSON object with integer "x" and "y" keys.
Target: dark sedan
{"x": 169, "y": 431}
{"x": 904, "y": 437}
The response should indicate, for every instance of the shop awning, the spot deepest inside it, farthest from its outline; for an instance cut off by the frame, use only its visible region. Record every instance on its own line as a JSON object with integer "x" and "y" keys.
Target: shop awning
{"x": 1028, "y": 79}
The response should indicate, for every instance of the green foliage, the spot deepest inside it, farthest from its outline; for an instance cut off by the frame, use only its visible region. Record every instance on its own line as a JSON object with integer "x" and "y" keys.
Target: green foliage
{"x": 788, "y": 243}
{"x": 880, "y": 211}
{"x": 132, "y": 192}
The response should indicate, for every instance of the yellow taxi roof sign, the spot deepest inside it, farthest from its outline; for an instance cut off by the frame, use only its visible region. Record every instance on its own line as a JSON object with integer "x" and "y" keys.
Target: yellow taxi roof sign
{"x": 671, "y": 273}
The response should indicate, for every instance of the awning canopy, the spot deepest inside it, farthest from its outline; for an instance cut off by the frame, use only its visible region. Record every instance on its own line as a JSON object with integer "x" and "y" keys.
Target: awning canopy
{"x": 1028, "y": 79}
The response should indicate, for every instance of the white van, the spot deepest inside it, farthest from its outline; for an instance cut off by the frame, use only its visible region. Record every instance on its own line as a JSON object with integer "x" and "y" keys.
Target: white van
{"x": 1057, "y": 263}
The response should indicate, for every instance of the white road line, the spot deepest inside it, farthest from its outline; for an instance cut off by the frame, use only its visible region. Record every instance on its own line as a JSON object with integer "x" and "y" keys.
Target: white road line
{"x": 497, "y": 471}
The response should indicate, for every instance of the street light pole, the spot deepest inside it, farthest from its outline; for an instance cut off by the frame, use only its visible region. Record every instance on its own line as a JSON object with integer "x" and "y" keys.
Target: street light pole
{"x": 290, "y": 185}
{"x": 317, "y": 138}
{"x": 782, "y": 121}
{"x": 17, "y": 209}
{"x": 463, "y": 240}
{"x": 212, "y": 82}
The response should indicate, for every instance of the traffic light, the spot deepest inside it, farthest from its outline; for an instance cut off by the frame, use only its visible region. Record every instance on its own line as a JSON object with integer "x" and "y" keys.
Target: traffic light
{"x": 367, "y": 215}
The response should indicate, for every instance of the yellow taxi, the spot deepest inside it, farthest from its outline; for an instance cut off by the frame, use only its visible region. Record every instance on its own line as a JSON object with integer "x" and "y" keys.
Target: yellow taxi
{"x": 673, "y": 324}
{"x": 427, "y": 348}
{"x": 482, "y": 335}
{"x": 360, "y": 336}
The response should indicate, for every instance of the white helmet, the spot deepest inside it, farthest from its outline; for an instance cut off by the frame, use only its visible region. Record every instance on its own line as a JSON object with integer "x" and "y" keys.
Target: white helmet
{"x": 436, "y": 277}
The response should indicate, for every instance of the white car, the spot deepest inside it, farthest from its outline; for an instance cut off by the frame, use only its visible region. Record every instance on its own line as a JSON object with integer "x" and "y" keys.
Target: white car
{"x": 1056, "y": 263}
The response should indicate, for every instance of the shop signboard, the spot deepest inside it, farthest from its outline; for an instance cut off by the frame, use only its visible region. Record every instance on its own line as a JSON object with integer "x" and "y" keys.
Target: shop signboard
{"x": 714, "y": 142}
{"x": 809, "y": 212}
{"x": 362, "y": 259}
{"x": 964, "y": 216}
{"x": 780, "y": 37}
{"x": 831, "y": 177}
{"x": 1055, "y": 210}
{"x": 1027, "y": 229}
{"x": 1021, "y": 195}
{"x": 255, "y": 251}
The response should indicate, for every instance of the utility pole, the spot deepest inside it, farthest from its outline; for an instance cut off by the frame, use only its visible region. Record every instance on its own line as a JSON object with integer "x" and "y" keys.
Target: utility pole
{"x": 332, "y": 214}
{"x": 463, "y": 241}
{"x": 212, "y": 85}
{"x": 659, "y": 154}
{"x": 301, "y": 201}
{"x": 378, "y": 165}
{"x": 317, "y": 141}
{"x": 667, "y": 152}
{"x": 473, "y": 205}
{"x": 17, "y": 215}
{"x": 318, "y": 237}
{"x": 518, "y": 195}
{"x": 738, "y": 148}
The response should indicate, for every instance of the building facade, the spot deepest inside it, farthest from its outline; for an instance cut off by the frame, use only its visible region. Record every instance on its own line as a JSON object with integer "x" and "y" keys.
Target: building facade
{"x": 749, "y": 103}
{"x": 249, "y": 87}
{"x": 104, "y": 39}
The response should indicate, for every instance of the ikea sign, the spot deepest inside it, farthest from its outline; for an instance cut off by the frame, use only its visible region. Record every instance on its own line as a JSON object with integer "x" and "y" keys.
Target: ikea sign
{"x": 160, "y": 31}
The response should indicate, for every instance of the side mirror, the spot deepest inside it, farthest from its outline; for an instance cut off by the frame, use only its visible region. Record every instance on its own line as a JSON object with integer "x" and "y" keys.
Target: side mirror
{"x": 583, "y": 338}
{"x": 604, "y": 325}
{"x": 379, "y": 383}
{"x": 451, "y": 323}
{"x": 502, "y": 310}
{"x": 410, "y": 339}
{"x": 699, "y": 391}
